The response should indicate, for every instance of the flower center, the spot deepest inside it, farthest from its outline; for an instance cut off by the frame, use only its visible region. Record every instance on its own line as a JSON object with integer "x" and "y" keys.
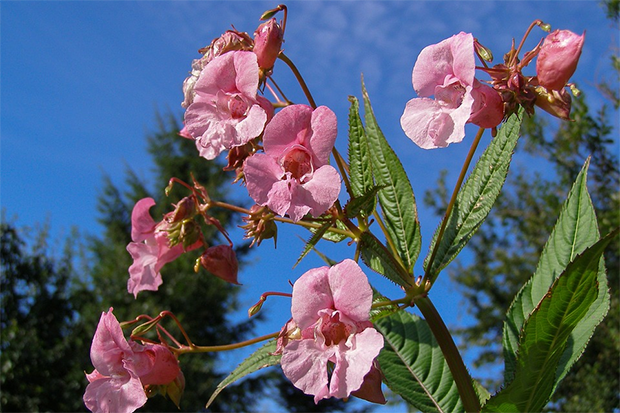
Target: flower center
{"x": 237, "y": 107}
{"x": 297, "y": 161}
{"x": 451, "y": 95}
{"x": 335, "y": 330}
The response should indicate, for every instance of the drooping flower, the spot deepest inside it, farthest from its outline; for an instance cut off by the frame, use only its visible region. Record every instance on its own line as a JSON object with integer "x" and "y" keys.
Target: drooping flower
{"x": 446, "y": 70}
{"x": 293, "y": 176}
{"x": 331, "y": 306}
{"x": 123, "y": 369}
{"x": 226, "y": 110}
{"x": 558, "y": 58}
{"x": 150, "y": 248}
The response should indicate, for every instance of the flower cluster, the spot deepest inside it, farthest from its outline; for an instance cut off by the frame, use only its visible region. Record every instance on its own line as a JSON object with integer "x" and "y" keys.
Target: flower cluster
{"x": 124, "y": 369}
{"x": 280, "y": 151}
{"x": 446, "y": 72}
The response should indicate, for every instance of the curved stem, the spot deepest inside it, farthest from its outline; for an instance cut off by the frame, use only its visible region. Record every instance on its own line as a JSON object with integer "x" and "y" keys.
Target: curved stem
{"x": 281, "y": 219}
{"x": 464, "y": 382}
{"x": 513, "y": 61}
{"x": 457, "y": 187}
{"x": 207, "y": 349}
{"x": 299, "y": 78}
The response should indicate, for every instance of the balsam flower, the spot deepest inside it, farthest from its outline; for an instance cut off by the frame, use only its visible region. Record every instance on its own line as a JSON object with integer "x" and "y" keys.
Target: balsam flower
{"x": 446, "y": 70}
{"x": 150, "y": 249}
{"x": 123, "y": 369}
{"x": 292, "y": 176}
{"x": 226, "y": 111}
{"x": 331, "y": 306}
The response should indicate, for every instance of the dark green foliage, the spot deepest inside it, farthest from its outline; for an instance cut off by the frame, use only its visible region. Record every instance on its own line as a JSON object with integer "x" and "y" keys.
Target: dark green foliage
{"x": 41, "y": 370}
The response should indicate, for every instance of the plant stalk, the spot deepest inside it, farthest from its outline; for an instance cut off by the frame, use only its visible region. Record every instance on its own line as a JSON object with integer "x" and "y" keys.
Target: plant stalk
{"x": 457, "y": 187}
{"x": 464, "y": 382}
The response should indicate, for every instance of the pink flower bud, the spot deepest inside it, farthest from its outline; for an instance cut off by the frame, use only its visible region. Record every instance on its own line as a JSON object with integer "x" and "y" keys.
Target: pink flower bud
{"x": 558, "y": 57}
{"x": 221, "y": 262}
{"x": 267, "y": 42}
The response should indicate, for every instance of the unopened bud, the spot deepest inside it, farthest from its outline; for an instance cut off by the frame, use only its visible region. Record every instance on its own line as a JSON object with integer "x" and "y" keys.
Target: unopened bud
{"x": 268, "y": 39}
{"x": 544, "y": 26}
{"x": 558, "y": 58}
{"x": 221, "y": 261}
{"x": 183, "y": 210}
{"x": 483, "y": 51}
{"x": 252, "y": 311}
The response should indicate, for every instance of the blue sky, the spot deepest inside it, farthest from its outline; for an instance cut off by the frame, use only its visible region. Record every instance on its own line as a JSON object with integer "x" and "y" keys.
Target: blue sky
{"x": 81, "y": 83}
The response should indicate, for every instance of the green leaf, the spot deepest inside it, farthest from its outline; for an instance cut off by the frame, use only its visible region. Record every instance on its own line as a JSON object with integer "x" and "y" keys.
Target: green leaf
{"x": 414, "y": 366}
{"x": 261, "y": 358}
{"x": 382, "y": 311}
{"x": 378, "y": 258}
{"x": 575, "y": 230}
{"x": 316, "y": 237}
{"x": 547, "y": 331}
{"x": 396, "y": 199}
{"x": 360, "y": 168}
{"x": 364, "y": 204}
{"x": 476, "y": 197}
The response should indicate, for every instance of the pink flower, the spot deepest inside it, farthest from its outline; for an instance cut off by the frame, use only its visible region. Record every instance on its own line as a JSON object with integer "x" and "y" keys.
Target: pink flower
{"x": 226, "y": 111}
{"x": 292, "y": 176}
{"x": 558, "y": 58}
{"x": 150, "y": 249}
{"x": 331, "y": 308}
{"x": 446, "y": 71}
{"x": 122, "y": 369}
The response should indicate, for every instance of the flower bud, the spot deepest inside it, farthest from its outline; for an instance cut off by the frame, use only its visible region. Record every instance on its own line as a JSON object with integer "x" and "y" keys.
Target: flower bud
{"x": 268, "y": 39}
{"x": 557, "y": 103}
{"x": 221, "y": 261}
{"x": 184, "y": 209}
{"x": 558, "y": 58}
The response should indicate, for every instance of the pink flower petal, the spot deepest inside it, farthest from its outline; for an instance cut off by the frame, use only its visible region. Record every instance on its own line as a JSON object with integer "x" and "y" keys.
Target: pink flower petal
{"x": 142, "y": 273}
{"x": 305, "y": 365}
{"x": 142, "y": 224}
{"x": 324, "y": 131}
{"x": 155, "y": 364}
{"x": 109, "y": 346}
{"x": 261, "y": 173}
{"x": 443, "y": 63}
{"x": 311, "y": 294}
{"x": 118, "y": 394}
{"x": 350, "y": 289}
{"x": 320, "y": 193}
{"x": 354, "y": 363}
{"x": 288, "y": 127}
{"x": 488, "y": 107}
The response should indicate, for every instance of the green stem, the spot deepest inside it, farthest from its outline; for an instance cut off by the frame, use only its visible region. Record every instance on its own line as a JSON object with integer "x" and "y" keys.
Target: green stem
{"x": 299, "y": 78}
{"x": 457, "y": 187}
{"x": 208, "y": 349}
{"x": 464, "y": 382}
